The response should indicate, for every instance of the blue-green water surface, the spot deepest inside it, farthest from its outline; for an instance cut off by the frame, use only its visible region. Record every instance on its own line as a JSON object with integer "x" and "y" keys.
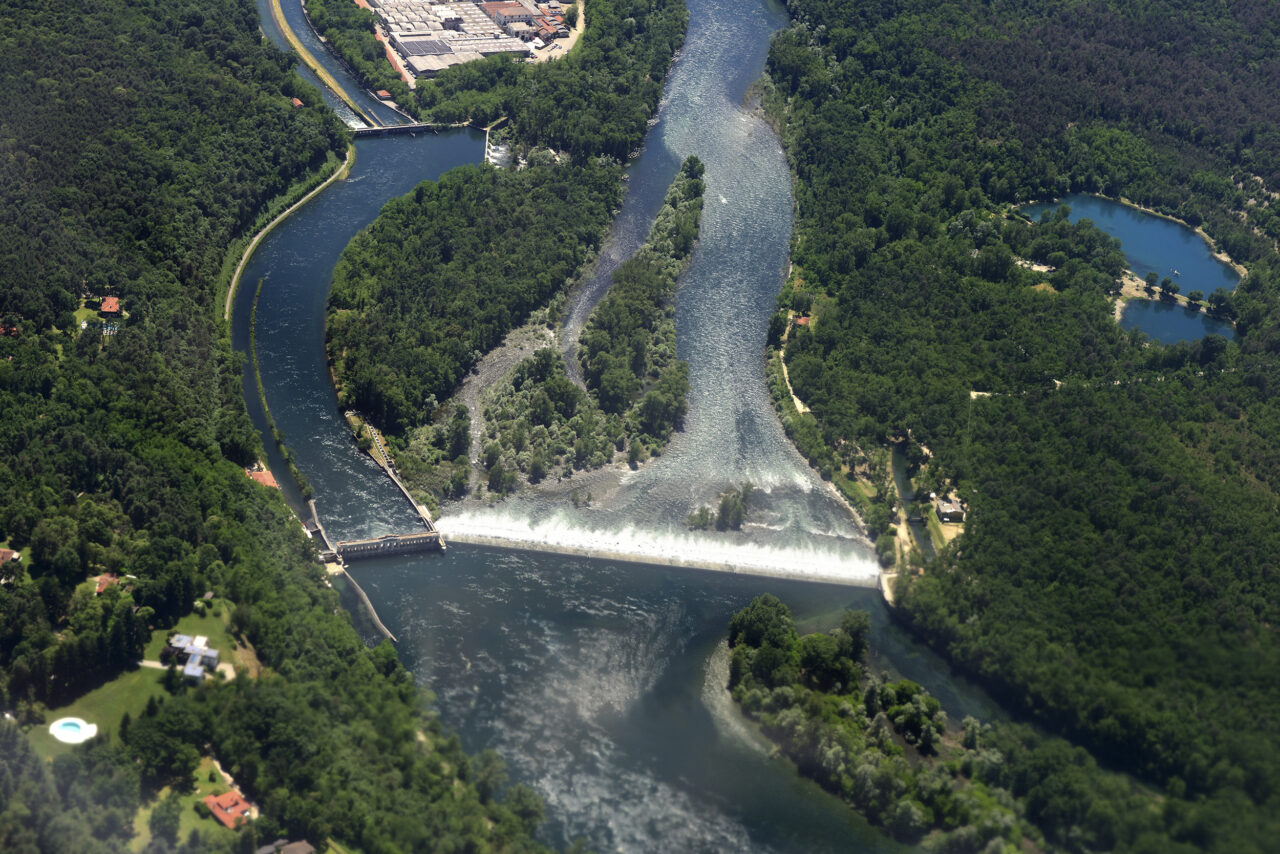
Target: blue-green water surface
{"x": 1153, "y": 244}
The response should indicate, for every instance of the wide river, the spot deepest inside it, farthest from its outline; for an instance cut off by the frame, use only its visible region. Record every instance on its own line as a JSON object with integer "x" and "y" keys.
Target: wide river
{"x": 601, "y": 681}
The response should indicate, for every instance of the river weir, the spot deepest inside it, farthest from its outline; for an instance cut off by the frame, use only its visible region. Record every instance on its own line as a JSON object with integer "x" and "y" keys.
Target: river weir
{"x": 596, "y": 677}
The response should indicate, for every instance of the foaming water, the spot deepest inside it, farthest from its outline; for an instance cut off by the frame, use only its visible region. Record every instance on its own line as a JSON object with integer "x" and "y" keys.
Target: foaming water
{"x": 724, "y": 301}
{"x": 816, "y": 555}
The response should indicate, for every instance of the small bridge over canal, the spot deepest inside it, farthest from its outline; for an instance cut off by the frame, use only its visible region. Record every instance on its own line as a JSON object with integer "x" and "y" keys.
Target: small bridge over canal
{"x": 389, "y": 130}
{"x": 336, "y": 556}
{"x": 426, "y": 540}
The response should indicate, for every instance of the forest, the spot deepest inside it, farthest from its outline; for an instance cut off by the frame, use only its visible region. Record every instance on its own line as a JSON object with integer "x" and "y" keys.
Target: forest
{"x": 886, "y": 747}
{"x": 446, "y": 272}
{"x": 539, "y": 421}
{"x": 1115, "y": 583}
{"x": 140, "y": 140}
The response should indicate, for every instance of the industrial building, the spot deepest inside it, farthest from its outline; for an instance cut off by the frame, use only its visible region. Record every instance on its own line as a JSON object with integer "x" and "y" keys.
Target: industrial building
{"x": 431, "y": 37}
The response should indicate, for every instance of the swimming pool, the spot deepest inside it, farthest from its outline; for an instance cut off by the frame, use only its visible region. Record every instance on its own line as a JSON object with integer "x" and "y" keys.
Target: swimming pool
{"x": 72, "y": 730}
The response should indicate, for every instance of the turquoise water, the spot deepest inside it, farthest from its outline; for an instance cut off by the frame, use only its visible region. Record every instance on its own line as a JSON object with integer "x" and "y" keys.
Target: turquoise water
{"x": 1153, "y": 244}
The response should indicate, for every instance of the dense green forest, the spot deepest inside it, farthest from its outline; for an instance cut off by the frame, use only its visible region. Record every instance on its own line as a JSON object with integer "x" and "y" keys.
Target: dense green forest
{"x": 538, "y": 422}
{"x": 886, "y": 747}
{"x": 139, "y": 141}
{"x": 1116, "y": 580}
{"x": 445, "y": 272}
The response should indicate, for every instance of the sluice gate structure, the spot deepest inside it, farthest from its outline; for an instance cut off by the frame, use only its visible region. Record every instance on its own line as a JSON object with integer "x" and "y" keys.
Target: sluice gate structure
{"x": 391, "y": 544}
{"x": 392, "y": 130}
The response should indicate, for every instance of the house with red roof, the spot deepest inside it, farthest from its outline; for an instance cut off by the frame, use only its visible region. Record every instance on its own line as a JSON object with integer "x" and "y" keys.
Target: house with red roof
{"x": 230, "y": 808}
{"x": 110, "y": 305}
{"x": 8, "y": 573}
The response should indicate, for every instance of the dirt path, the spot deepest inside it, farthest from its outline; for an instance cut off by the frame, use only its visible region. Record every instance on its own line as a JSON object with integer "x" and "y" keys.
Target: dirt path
{"x": 786, "y": 378}
{"x": 312, "y": 63}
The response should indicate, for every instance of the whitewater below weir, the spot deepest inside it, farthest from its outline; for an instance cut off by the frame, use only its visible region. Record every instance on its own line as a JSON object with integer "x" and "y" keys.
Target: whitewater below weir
{"x": 565, "y": 532}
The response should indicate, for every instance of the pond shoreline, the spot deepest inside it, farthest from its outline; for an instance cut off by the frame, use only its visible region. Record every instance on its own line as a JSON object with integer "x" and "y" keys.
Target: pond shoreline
{"x": 1147, "y": 240}
{"x": 1239, "y": 268}
{"x": 1236, "y": 266}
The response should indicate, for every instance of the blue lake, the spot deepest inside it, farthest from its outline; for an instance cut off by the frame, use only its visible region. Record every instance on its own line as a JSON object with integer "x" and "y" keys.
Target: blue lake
{"x": 1155, "y": 244}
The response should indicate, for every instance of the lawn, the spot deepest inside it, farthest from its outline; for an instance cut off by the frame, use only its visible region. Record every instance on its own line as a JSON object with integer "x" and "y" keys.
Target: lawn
{"x": 941, "y": 533}
{"x": 82, "y": 314}
{"x": 103, "y": 706}
{"x": 190, "y": 820}
{"x": 212, "y": 627}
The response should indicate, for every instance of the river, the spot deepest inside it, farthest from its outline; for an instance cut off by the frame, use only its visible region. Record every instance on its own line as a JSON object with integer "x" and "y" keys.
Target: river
{"x": 600, "y": 681}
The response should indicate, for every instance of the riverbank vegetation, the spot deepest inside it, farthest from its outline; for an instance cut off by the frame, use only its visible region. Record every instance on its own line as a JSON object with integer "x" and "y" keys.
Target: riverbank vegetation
{"x": 1114, "y": 579}
{"x": 538, "y": 423}
{"x": 139, "y": 141}
{"x": 349, "y": 30}
{"x": 864, "y": 480}
{"x": 447, "y": 271}
{"x": 886, "y": 747}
